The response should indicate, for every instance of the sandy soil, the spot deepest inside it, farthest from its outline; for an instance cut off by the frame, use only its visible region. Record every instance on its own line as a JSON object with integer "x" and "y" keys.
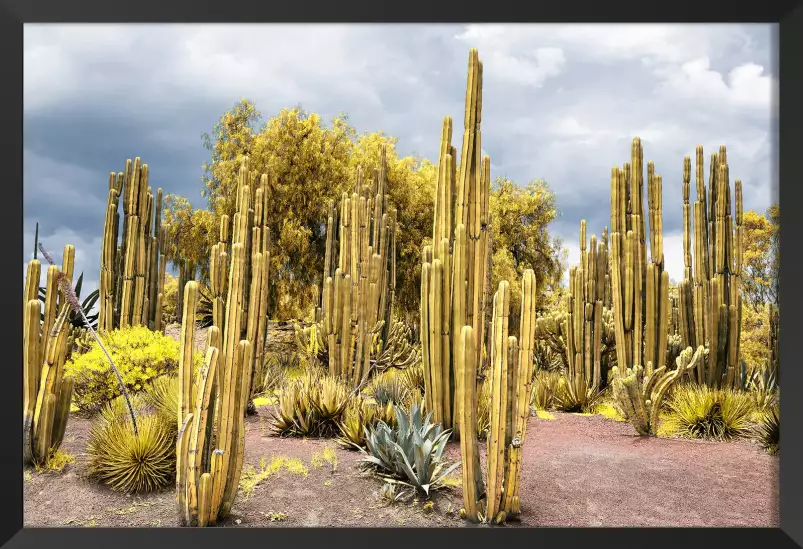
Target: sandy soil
{"x": 578, "y": 471}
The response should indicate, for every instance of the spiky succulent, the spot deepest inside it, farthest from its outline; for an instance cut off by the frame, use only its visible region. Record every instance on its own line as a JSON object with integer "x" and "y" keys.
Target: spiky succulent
{"x": 411, "y": 452}
{"x": 129, "y": 461}
{"x": 311, "y": 405}
{"x": 769, "y": 429}
{"x": 358, "y": 415}
{"x": 389, "y": 390}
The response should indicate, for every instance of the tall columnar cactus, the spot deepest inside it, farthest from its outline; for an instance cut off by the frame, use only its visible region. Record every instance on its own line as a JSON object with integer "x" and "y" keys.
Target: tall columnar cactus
{"x": 585, "y": 323}
{"x": 455, "y": 278}
{"x": 46, "y": 393}
{"x": 355, "y": 318}
{"x": 773, "y": 339}
{"x": 640, "y": 287}
{"x": 710, "y": 303}
{"x": 512, "y": 369}
{"x": 132, "y": 275}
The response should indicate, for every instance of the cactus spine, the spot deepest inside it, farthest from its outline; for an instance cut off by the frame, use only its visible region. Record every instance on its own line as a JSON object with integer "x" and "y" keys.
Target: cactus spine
{"x": 454, "y": 276}
{"x": 354, "y": 320}
{"x": 710, "y": 303}
{"x": 132, "y": 275}
{"x": 212, "y": 406}
{"x": 47, "y": 395}
{"x": 512, "y": 370}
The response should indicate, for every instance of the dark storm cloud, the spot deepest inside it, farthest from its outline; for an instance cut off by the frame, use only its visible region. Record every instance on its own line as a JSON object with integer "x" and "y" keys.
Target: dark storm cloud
{"x": 560, "y": 103}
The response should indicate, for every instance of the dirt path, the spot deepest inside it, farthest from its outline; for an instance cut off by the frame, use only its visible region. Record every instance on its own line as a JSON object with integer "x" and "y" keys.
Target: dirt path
{"x": 578, "y": 471}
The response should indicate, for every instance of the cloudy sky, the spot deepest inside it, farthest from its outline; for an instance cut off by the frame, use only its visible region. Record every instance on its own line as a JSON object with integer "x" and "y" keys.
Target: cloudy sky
{"x": 560, "y": 103}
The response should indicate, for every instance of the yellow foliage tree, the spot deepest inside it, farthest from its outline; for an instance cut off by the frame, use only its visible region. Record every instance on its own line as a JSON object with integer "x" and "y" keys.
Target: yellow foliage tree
{"x": 761, "y": 257}
{"x": 520, "y": 217}
{"x": 308, "y": 164}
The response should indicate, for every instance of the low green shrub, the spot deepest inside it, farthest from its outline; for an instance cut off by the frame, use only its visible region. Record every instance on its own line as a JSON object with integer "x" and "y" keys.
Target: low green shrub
{"x": 140, "y": 354}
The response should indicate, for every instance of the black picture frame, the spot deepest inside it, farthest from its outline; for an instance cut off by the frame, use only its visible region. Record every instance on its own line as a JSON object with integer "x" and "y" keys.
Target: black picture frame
{"x": 13, "y": 15}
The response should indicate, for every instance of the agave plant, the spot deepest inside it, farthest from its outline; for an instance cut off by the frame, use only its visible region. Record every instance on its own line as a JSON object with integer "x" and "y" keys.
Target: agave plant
{"x": 389, "y": 390}
{"x": 412, "y": 452}
{"x": 763, "y": 387}
{"x": 358, "y": 415}
{"x": 769, "y": 429}
{"x": 75, "y": 320}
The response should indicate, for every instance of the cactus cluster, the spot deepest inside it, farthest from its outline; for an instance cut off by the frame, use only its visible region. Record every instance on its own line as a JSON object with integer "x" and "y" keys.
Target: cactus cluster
{"x": 46, "y": 392}
{"x": 511, "y": 378}
{"x": 455, "y": 271}
{"x": 640, "y": 286}
{"x": 589, "y": 290}
{"x": 132, "y": 274}
{"x": 355, "y": 318}
{"x": 207, "y": 479}
{"x": 710, "y": 305}
{"x": 640, "y": 396}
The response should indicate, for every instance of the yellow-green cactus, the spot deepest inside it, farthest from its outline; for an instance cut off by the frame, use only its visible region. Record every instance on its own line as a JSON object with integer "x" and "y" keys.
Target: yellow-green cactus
{"x": 359, "y": 281}
{"x": 132, "y": 275}
{"x": 211, "y": 439}
{"x": 47, "y": 394}
{"x": 710, "y": 304}
{"x": 455, "y": 268}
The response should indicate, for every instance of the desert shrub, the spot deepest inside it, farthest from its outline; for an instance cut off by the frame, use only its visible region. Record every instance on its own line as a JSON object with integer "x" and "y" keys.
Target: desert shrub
{"x": 411, "y": 452}
{"x": 544, "y": 391}
{"x": 272, "y": 373}
{"x": 698, "y": 411}
{"x": 389, "y": 389}
{"x": 126, "y": 461}
{"x": 141, "y": 356}
{"x": 310, "y": 406}
{"x": 358, "y": 415}
{"x": 170, "y": 299}
{"x": 769, "y": 429}
{"x": 567, "y": 399}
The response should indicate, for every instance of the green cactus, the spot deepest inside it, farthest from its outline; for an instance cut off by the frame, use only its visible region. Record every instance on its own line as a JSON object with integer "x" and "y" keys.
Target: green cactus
{"x": 355, "y": 318}
{"x": 511, "y": 378}
{"x": 455, "y": 278}
{"x": 710, "y": 304}
{"x": 132, "y": 275}
{"x": 211, "y": 437}
{"x": 47, "y": 394}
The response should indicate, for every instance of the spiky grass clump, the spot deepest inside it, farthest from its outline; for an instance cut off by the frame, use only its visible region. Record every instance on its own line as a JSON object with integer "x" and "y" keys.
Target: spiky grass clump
{"x": 162, "y": 397}
{"x": 310, "y": 406}
{"x": 769, "y": 430}
{"x": 131, "y": 462}
{"x": 544, "y": 391}
{"x": 698, "y": 411}
{"x": 56, "y": 462}
{"x": 566, "y": 399}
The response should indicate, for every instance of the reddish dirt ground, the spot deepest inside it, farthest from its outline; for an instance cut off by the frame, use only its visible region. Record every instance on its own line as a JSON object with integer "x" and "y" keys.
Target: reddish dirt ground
{"x": 578, "y": 471}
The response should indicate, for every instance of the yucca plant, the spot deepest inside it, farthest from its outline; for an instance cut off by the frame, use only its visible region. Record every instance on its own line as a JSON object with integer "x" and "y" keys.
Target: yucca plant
{"x": 544, "y": 391}
{"x": 769, "y": 429}
{"x": 411, "y": 452}
{"x": 74, "y": 318}
{"x": 698, "y": 411}
{"x": 131, "y": 461}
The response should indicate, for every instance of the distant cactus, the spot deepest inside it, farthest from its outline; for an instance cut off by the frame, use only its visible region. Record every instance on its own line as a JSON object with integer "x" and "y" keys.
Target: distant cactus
{"x": 132, "y": 275}
{"x": 710, "y": 303}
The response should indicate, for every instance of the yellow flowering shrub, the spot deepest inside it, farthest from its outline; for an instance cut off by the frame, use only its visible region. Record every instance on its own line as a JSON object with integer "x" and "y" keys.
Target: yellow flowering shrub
{"x": 140, "y": 355}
